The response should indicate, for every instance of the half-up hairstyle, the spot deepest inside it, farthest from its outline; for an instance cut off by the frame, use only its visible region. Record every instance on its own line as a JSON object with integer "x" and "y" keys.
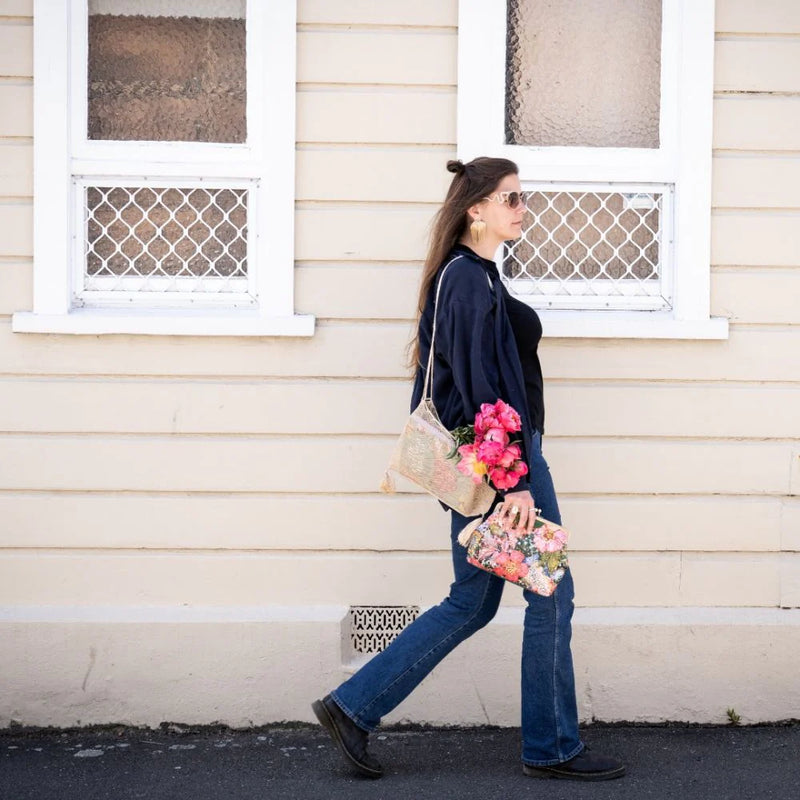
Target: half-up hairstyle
{"x": 471, "y": 183}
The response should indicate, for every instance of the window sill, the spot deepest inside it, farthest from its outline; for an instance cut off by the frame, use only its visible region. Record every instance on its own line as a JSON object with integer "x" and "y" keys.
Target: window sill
{"x": 628, "y": 325}
{"x": 174, "y": 323}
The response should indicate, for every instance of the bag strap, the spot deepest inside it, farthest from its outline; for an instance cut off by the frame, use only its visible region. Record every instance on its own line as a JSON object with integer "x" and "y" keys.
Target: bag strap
{"x": 428, "y": 384}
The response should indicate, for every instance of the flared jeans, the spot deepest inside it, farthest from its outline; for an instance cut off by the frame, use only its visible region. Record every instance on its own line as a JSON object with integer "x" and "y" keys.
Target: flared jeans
{"x": 549, "y": 708}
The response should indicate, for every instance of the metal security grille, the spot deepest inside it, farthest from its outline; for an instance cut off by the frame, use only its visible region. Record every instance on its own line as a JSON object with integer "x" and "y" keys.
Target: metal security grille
{"x": 589, "y": 248}
{"x": 165, "y": 240}
{"x": 373, "y": 627}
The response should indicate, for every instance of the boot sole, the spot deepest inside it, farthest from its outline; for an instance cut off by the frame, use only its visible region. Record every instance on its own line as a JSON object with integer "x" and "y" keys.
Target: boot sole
{"x": 327, "y": 722}
{"x": 565, "y": 774}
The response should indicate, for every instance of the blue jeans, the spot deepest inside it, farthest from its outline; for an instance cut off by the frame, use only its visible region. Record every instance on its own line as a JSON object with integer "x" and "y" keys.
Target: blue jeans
{"x": 549, "y": 708}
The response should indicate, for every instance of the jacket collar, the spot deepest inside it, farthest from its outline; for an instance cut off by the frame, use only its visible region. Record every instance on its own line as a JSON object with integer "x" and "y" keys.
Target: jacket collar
{"x": 486, "y": 263}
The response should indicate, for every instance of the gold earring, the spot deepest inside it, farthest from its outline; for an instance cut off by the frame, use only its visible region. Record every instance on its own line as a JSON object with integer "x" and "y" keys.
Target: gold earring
{"x": 477, "y": 230}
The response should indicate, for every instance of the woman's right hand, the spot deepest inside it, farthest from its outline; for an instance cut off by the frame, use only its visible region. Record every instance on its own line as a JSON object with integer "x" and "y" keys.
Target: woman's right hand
{"x": 519, "y": 503}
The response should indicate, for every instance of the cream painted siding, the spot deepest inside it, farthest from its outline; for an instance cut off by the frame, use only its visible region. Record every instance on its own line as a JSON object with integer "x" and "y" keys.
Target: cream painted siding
{"x": 213, "y": 504}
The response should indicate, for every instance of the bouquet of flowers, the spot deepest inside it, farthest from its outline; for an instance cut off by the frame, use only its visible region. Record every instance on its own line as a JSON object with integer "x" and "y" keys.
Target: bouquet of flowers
{"x": 484, "y": 449}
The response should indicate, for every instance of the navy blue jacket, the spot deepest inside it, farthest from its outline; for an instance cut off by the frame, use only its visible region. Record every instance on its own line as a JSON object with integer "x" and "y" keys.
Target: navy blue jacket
{"x": 476, "y": 358}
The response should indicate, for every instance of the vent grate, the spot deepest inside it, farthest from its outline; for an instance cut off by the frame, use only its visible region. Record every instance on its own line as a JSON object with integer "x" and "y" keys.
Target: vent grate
{"x": 372, "y": 628}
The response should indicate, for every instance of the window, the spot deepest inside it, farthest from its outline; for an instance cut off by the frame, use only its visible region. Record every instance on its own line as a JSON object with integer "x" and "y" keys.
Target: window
{"x": 164, "y": 168}
{"x": 606, "y": 108}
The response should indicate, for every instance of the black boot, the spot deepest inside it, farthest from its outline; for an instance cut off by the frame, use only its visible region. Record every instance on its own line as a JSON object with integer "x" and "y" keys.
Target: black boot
{"x": 583, "y": 767}
{"x": 351, "y": 739}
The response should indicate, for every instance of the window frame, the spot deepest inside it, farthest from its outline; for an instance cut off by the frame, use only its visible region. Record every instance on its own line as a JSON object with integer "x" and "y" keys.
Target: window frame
{"x": 682, "y": 161}
{"x": 64, "y": 158}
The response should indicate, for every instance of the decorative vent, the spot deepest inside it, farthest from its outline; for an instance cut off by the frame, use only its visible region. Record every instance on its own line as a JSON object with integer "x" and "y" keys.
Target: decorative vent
{"x": 372, "y": 628}
{"x": 585, "y": 248}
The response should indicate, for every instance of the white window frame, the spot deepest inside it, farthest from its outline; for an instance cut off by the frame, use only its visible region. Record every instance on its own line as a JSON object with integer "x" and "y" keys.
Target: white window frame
{"x": 682, "y": 161}
{"x": 64, "y": 160}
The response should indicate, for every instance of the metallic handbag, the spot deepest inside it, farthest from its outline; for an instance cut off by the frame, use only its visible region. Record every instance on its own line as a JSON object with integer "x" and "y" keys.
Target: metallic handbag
{"x": 421, "y": 452}
{"x": 536, "y": 561}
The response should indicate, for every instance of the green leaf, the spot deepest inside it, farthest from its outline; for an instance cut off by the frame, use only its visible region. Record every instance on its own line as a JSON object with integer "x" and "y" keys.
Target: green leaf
{"x": 463, "y": 435}
{"x": 552, "y": 561}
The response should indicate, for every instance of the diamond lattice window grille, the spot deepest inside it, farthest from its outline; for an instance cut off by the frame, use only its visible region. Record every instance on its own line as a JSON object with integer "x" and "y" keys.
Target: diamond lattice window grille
{"x": 372, "y": 628}
{"x": 593, "y": 247}
{"x": 145, "y": 240}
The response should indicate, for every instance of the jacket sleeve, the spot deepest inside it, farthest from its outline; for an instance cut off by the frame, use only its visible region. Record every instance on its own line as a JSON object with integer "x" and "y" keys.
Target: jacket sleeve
{"x": 466, "y": 340}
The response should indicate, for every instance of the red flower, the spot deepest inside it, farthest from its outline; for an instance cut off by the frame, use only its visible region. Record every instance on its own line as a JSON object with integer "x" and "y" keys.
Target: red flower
{"x": 511, "y": 565}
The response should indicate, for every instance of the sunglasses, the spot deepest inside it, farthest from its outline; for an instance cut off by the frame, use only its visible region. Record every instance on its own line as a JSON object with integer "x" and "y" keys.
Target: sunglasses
{"x": 510, "y": 199}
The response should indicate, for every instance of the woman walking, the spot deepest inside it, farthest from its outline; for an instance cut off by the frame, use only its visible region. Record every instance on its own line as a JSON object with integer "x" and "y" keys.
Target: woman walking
{"x": 486, "y": 349}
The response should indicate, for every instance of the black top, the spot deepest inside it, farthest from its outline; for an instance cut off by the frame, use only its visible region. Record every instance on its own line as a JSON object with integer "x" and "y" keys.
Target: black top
{"x": 527, "y": 329}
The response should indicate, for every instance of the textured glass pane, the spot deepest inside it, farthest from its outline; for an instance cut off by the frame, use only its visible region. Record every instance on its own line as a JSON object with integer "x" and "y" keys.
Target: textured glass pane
{"x": 167, "y": 70}
{"x": 165, "y": 238}
{"x": 583, "y": 73}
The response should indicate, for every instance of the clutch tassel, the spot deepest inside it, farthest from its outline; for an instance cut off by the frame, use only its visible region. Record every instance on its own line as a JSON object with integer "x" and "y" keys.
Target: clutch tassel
{"x": 387, "y": 484}
{"x": 468, "y": 530}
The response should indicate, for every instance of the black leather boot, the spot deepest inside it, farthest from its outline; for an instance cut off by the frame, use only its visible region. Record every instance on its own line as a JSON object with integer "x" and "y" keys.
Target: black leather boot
{"x": 351, "y": 739}
{"x": 583, "y": 767}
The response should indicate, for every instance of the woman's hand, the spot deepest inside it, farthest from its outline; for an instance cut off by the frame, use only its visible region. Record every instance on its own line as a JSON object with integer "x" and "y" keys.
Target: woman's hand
{"x": 519, "y": 503}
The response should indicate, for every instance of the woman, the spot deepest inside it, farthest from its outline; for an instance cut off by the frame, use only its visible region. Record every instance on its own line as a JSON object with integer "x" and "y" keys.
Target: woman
{"x": 486, "y": 348}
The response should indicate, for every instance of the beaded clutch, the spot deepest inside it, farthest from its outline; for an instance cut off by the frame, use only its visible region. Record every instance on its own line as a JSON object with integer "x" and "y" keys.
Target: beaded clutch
{"x": 535, "y": 561}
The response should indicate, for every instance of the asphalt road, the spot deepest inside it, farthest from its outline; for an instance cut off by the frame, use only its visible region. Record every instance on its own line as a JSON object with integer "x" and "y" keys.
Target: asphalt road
{"x": 676, "y": 762}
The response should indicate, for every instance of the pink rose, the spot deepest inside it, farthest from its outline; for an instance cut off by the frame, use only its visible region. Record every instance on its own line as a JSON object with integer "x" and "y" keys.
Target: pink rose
{"x": 502, "y": 479}
{"x": 510, "y": 456}
{"x": 519, "y": 469}
{"x": 496, "y": 435}
{"x": 507, "y": 416}
{"x": 497, "y": 415}
{"x": 489, "y": 453}
{"x": 485, "y": 419}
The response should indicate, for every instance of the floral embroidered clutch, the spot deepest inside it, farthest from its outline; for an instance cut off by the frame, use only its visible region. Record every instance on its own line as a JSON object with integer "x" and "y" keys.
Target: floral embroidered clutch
{"x": 535, "y": 561}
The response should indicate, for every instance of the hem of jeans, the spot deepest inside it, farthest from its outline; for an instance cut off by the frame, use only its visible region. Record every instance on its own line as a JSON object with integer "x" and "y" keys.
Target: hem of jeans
{"x": 354, "y": 718}
{"x": 552, "y": 761}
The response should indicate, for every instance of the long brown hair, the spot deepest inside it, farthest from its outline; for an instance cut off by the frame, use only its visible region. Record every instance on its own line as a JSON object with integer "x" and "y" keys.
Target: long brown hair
{"x": 471, "y": 183}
